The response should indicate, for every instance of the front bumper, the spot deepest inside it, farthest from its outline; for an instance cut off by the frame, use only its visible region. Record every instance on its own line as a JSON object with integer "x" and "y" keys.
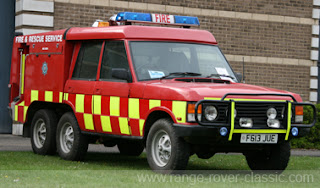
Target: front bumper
{"x": 195, "y": 131}
{"x": 212, "y": 129}
{"x": 214, "y": 132}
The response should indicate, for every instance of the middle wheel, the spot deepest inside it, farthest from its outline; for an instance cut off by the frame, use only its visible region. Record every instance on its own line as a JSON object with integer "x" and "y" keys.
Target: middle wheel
{"x": 71, "y": 144}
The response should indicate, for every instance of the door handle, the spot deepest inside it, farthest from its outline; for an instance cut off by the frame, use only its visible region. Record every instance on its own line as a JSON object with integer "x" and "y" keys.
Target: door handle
{"x": 70, "y": 89}
{"x": 98, "y": 91}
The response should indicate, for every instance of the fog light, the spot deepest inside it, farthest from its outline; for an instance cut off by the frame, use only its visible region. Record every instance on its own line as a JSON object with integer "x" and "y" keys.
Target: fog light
{"x": 294, "y": 131}
{"x": 272, "y": 113}
{"x": 211, "y": 113}
{"x": 223, "y": 131}
{"x": 245, "y": 122}
{"x": 273, "y": 123}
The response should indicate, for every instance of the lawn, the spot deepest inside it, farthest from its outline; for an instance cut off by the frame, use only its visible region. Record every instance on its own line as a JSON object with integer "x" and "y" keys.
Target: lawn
{"x": 25, "y": 169}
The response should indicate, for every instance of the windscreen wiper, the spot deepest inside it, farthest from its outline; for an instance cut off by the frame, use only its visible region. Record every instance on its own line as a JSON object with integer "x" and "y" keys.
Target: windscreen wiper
{"x": 219, "y": 75}
{"x": 181, "y": 74}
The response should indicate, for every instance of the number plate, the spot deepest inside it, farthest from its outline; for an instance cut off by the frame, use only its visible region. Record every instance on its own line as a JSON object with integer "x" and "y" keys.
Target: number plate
{"x": 259, "y": 138}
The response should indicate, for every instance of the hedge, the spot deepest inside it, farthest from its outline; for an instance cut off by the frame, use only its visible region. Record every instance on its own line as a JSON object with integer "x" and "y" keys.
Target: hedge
{"x": 312, "y": 139}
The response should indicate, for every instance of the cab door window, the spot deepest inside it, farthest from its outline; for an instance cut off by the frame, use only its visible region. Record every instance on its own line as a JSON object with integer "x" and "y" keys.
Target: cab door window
{"x": 114, "y": 57}
{"x": 88, "y": 60}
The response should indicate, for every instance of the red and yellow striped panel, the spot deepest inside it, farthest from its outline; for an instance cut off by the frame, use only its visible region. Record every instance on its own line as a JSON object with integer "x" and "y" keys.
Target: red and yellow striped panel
{"x": 104, "y": 114}
{"x": 118, "y": 115}
{"x": 20, "y": 112}
{"x": 83, "y": 109}
{"x": 21, "y": 108}
{"x": 46, "y": 96}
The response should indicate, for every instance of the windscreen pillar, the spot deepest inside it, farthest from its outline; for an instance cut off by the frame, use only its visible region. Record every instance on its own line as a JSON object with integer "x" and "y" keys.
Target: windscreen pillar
{"x": 7, "y": 22}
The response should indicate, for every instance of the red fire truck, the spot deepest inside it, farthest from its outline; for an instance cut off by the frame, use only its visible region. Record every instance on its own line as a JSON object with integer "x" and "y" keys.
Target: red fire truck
{"x": 168, "y": 90}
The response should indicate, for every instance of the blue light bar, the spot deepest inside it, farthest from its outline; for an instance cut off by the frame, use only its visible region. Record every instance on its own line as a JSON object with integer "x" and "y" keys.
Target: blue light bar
{"x": 134, "y": 16}
{"x": 163, "y": 19}
{"x": 188, "y": 20}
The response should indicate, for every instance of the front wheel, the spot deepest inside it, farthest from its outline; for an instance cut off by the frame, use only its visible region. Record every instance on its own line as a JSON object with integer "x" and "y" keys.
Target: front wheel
{"x": 71, "y": 144}
{"x": 274, "y": 158}
{"x": 166, "y": 152}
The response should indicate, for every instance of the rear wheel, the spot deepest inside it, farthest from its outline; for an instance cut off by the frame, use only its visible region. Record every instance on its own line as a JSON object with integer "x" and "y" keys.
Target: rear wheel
{"x": 131, "y": 148}
{"x": 71, "y": 144}
{"x": 43, "y": 130}
{"x": 166, "y": 152}
{"x": 274, "y": 158}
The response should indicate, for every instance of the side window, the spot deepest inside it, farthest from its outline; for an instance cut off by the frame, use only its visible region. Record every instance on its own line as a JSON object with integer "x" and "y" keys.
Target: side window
{"x": 114, "y": 56}
{"x": 88, "y": 60}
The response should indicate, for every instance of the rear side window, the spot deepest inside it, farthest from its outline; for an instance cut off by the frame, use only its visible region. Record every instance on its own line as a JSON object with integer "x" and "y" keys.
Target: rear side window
{"x": 88, "y": 60}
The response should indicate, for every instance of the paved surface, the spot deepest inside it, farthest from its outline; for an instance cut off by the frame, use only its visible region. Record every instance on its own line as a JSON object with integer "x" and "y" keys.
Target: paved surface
{"x": 17, "y": 143}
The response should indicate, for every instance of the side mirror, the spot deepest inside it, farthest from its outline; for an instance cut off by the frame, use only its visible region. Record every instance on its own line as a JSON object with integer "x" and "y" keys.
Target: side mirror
{"x": 121, "y": 74}
{"x": 239, "y": 76}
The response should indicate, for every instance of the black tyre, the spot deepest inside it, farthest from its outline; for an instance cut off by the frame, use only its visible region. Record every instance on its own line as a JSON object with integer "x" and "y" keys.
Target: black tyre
{"x": 43, "y": 131}
{"x": 131, "y": 148}
{"x": 109, "y": 144}
{"x": 274, "y": 158}
{"x": 71, "y": 144}
{"x": 166, "y": 152}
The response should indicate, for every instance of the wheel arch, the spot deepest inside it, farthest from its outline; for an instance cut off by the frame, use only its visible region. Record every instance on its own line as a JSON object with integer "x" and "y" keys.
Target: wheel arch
{"x": 58, "y": 108}
{"x": 153, "y": 117}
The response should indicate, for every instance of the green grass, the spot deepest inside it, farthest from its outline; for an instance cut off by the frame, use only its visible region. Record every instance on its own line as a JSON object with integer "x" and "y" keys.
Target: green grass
{"x": 25, "y": 169}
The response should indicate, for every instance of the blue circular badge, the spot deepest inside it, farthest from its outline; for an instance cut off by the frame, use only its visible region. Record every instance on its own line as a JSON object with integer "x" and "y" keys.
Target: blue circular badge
{"x": 44, "y": 68}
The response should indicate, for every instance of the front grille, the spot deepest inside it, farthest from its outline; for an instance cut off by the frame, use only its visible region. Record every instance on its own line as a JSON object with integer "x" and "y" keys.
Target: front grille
{"x": 258, "y": 113}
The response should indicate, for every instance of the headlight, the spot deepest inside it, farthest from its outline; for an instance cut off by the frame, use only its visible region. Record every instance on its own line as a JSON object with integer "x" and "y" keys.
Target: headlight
{"x": 211, "y": 113}
{"x": 272, "y": 113}
{"x": 273, "y": 123}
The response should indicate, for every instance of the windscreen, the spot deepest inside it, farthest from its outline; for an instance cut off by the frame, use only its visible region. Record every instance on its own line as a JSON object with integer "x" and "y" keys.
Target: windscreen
{"x": 154, "y": 60}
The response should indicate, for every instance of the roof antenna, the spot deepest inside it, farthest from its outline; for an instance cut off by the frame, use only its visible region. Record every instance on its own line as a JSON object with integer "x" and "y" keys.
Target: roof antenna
{"x": 243, "y": 71}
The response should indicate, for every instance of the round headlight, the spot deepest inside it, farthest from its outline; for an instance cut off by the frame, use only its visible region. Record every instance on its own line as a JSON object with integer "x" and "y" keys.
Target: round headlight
{"x": 211, "y": 113}
{"x": 272, "y": 113}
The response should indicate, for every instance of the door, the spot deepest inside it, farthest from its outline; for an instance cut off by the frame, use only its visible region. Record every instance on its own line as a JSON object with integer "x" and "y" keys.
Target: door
{"x": 79, "y": 88}
{"x": 110, "y": 93}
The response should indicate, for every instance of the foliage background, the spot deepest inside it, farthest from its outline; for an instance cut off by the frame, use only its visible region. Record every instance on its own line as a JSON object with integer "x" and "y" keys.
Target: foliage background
{"x": 312, "y": 139}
